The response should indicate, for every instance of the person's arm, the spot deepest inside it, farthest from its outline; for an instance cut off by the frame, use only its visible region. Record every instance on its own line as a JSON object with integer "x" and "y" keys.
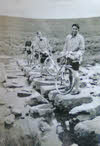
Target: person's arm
{"x": 80, "y": 50}
{"x": 81, "y": 46}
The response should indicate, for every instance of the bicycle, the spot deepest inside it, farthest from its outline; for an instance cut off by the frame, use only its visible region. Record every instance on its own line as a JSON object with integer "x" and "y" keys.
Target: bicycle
{"x": 63, "y": 74}
{"x": 51, "y": 66}
{"x": 28, "y": 52}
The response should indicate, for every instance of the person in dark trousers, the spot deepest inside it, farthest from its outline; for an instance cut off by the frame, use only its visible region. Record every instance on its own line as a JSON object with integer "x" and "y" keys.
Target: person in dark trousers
{"x": 74, "y": 49}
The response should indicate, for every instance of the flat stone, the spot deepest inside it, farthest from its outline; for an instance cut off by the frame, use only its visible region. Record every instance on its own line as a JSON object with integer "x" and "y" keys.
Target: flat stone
{"x": 46, "y": 89}
{"x": 24, "y": 92}
{"x": 70, "y": 101}
{"x": 32, "y": 77}
{"x": 86, "y": 127}
{"x": 41, "y": 110}
{"x": 34, "y": 73}
{"x": 49, "y": 78}
{"x": 11, "y": 77}
{"x": 35, "y": 99}
{"x": 42, "y": 82}
{"x": 87, "y": 111}
{"x": 14, "y": 83}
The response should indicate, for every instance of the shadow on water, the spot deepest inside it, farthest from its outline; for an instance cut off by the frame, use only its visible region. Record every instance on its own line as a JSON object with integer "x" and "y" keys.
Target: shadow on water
{"x": 62, "y": 134}
{"x": 59, "y": 135}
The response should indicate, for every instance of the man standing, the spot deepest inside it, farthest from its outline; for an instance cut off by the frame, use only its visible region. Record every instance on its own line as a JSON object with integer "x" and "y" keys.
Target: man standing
{"x": 42, "y": 47}
{"x": 74, "y": 48}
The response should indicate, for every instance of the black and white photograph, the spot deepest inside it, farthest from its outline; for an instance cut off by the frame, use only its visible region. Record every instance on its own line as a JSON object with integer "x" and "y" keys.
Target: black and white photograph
{"x": 49, "y": 73}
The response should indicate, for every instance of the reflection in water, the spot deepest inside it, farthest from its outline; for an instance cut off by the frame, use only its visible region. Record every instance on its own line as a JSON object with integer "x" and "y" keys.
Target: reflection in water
{"x": 65, "y": 132}
{"x": 63, "y": 135}
{"x": 58, "y": 134}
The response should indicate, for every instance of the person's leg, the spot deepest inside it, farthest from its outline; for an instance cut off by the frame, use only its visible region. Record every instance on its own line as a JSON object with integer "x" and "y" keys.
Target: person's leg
{"x": 76, "y": 76}
{"x": 28, "y": 59}
{"x": 25, "y": 56}
{"x": 41, "y": 63}
{"x": 75, "y": 67}
{"x": 43, "y": 58}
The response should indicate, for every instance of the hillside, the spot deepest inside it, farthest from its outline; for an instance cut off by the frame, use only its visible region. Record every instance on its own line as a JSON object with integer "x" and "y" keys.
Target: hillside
{"x": 15, "y": 31}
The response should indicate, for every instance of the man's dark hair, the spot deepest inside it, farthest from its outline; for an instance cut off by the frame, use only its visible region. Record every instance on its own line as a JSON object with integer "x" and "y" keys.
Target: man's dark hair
{"x": 76, "y": 26}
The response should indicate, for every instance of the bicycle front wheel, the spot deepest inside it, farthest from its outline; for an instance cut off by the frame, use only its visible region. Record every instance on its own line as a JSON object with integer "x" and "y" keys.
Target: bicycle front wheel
{"x": 50, "y": 67}
{"x": 64, "y": 81}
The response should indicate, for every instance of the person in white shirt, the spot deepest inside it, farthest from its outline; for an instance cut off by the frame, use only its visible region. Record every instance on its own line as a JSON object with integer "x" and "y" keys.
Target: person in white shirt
{"x": 42, "y": 48}
{"x": 74, "y": 49}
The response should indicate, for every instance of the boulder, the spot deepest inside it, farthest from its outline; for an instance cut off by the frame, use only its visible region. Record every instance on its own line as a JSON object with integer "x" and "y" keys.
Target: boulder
{"x": 35, "y": 99}
{"x": 42, "y": 82}
{"x": 46, "y": 89}
{"x": 41, "y": 110}
{"x": 87, "y": 111}
{"x": 90, "y": 129}
{"x": 70, "y": 101}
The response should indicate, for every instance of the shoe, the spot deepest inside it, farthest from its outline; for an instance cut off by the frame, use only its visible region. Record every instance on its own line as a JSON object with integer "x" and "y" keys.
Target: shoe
{"x": 75, "y": 92}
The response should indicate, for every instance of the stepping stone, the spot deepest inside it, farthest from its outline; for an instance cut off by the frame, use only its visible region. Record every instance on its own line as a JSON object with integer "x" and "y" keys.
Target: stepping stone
{"x": 35, "y": 99}
{"x": 46, "y": 89}
{"x": 42, "y": 82}
{"x": 41, "y": 110}
{"x": 24, "y": 92}
{"x": 13, "y": 85}
{"x": 70, "y": 101}
{"x": 87, "y": 128}
{"x": 89, "y": 111}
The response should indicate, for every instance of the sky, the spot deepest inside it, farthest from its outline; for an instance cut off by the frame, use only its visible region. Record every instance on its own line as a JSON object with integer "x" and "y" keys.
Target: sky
{"x": 50, "y": 9}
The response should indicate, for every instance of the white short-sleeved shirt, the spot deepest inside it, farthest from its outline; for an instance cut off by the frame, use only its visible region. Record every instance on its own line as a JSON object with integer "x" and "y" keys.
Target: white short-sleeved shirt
{"x": 75, "y": 44}
{"x": 42, "y": 45}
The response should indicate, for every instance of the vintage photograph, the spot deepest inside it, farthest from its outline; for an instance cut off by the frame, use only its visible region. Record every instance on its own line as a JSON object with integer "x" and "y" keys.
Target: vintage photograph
{"x": 49, "y": 82}
{"x": 49, "y": 73}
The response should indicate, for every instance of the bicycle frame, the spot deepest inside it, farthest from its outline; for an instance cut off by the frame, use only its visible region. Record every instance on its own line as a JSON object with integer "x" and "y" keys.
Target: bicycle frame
{"x": 53, "y": 68}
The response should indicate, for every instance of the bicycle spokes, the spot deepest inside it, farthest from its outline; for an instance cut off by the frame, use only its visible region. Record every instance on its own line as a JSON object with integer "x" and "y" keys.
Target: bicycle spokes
{"x": 64, "y": 81}
{"x": 51, "y": 67}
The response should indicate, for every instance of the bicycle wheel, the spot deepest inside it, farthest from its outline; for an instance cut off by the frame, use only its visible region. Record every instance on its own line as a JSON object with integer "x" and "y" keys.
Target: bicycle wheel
{"x": 64, "y": 80}
{"x": 50, "y": 67}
